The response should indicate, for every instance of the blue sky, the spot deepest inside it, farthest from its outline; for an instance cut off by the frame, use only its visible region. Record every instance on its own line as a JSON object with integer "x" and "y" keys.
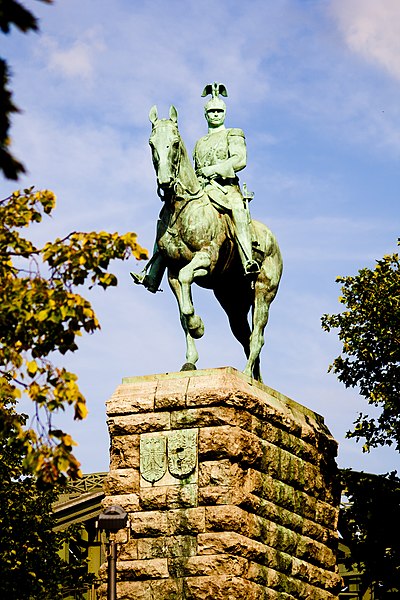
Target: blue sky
{"x": 315, "y": 85}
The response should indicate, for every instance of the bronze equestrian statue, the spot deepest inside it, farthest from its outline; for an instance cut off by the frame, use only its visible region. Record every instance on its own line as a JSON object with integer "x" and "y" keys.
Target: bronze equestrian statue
{"x": 205, "y": 234}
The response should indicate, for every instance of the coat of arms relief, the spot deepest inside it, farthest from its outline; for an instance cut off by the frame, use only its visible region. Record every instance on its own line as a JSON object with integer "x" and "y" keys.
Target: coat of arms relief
{"x": 168, "y": 452}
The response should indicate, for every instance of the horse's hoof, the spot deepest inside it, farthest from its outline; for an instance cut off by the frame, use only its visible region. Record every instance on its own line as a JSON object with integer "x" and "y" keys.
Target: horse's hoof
{"x": 188, "y": 367}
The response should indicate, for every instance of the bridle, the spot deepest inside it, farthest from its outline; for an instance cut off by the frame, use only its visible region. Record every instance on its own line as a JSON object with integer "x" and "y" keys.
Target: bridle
{"x": 185, "y": 194}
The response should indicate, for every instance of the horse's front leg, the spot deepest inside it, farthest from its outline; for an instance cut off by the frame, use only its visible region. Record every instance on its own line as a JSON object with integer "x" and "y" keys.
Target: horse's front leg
{"x": 198, "y": 267}
{"x": 191, "y": 351}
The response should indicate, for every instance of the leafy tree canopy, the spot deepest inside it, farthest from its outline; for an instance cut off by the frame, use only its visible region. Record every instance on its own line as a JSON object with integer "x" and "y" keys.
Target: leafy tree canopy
{"x": 12, "y": 13}
{"x": 369, "y": 329}
{"x": 31, "y": 568}
{"x": 43, "y": 314}
{"x": 370, "y": 527}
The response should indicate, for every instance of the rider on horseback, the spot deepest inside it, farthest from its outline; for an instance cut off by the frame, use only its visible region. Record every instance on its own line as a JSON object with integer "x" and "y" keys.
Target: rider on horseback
{"x": 217, "y": 157}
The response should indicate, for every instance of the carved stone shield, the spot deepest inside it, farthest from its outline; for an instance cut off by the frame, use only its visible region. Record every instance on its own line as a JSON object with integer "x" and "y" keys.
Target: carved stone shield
{"x": 153, "y": 457}
{"x": 182, "y": 452}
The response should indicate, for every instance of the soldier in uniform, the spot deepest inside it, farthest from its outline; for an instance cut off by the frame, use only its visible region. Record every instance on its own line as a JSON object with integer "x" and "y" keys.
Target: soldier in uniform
{"x": 217, "y": 158}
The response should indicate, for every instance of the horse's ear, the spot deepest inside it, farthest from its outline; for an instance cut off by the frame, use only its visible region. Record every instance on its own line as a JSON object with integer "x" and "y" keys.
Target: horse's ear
{"x": 173, "y": 114}
{"x": 153, "y": 115}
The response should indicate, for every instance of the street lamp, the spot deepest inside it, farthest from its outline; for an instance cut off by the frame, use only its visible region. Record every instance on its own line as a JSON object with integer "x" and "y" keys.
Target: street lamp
{"x": 112, "y": 519}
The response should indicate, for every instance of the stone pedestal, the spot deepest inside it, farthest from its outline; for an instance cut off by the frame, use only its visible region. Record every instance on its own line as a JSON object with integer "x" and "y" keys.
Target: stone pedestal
{"x": 230, "y": 487}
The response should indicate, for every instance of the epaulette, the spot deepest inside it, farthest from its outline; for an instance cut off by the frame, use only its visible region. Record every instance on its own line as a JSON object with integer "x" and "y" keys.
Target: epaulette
{"x": 236, "y": 131}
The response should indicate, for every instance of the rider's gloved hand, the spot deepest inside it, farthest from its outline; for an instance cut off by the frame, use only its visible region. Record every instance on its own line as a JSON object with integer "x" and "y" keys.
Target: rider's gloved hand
{"x": 208, "y": 172}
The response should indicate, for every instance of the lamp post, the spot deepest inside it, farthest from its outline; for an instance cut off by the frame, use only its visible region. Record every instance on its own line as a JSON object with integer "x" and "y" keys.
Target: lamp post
{"x": 112, "y": 519}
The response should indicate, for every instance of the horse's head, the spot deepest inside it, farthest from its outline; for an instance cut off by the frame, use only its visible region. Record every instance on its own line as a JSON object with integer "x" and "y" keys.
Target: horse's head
{"x": 165, "y": 144}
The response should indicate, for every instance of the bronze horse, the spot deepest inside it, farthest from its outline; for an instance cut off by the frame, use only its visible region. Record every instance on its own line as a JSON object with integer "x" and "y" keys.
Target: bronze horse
{"x": 197, "y": 245}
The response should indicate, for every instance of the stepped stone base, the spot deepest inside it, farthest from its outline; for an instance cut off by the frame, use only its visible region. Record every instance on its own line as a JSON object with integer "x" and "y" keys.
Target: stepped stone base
{"x": 231, "y": 490}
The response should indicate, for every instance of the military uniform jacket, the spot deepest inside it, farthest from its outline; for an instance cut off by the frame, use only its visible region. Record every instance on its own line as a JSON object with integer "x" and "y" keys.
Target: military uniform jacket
{"x": 225, "y": 150}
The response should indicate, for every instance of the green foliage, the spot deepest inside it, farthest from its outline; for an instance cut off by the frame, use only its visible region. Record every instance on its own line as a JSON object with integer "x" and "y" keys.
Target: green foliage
{"x": 31, "y": 568}
{"x": 370, "y": 527}
{"x": 369, "y": 329}
{"x": 10, "y": 166}
{"x": 11, "y": 13}
{"x": 41, "y": 314}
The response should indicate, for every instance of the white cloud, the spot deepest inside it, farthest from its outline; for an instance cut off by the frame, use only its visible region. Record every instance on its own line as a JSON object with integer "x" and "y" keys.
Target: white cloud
{"x": 74, "y": 60}
{"x": 371, "y": 29}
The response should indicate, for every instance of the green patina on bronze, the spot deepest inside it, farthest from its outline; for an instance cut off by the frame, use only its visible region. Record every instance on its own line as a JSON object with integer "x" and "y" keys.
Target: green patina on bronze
{"x": 205, "y": 234}
{"x": 175, "y": 451}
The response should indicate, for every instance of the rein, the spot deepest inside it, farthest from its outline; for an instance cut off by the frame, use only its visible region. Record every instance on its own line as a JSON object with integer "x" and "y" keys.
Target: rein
{"x": 185, "y": 195}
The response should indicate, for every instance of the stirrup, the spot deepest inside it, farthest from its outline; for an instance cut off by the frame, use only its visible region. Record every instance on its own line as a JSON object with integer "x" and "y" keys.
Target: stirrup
{"x": 251, "y": 268}
{"x": 143, "y": 279}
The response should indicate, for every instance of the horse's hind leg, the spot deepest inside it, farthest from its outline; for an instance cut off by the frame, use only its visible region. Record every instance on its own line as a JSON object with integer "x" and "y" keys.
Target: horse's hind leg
{"x": 262, "y": 303}
{"x": 236, "y": 307}
{"x": 192, "y": 355}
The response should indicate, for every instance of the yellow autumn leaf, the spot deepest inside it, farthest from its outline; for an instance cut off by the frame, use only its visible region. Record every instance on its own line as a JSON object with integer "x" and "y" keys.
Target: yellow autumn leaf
{"x": 31, "y": 367}
{"x": 68, "y": 441}
{"x": 81, "y": 410}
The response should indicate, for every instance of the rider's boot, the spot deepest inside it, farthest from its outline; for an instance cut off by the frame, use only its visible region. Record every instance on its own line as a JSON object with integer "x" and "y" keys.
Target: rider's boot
{"x": 243, "y": 237}
{"x": 152, "y": 274}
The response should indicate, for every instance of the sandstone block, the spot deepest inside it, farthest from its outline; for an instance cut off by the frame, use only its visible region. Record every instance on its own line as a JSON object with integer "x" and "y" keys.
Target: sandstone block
{"x": 273, "y": 512}
{"x": 326, "y": 536}
{"x": 227, "y": 518}
{"x": 136, "y": 423}
{"x": 294, "y": 500}
{"x": 221, "y": 472}
{"x": 225, "y": 588}
{"x": 229, "y": 442}
{"x": 129, "y": 502}
{"x": 127, "y": 550}
{"x": 285, "y": 439}
{"x": 286, "y": 586}
{"x": 124, "y": 452}
{"x": 170, "y": 394}
{"x": 121, "y": 481}
{"x": 208, "y": 390}
{"x": 218, "y": 494}
{"x": 149, "y": 524}
{"x": 239, "y": 545}
{"x": 211, "y": 416}
{"x": 132, "y": 398}
{"x": 230, "y": 542}
{"x": 166, "y": 589}
{"x": 186, "y": 521}
{"x": 127, "y": 590}
{"x": 164, "y": 497}
{"x": 282, "y": 516}
{"x": 197, "y": 566}
{"x": 165, "y": 547}
{"x": 316, "y": 576}
{"x": 283, "y": 539}
{"x": 316, "y": 553}
{"x": 277, "y": 536}
{"x": 327, "y": 514}
{"x": 155, "y": 568}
